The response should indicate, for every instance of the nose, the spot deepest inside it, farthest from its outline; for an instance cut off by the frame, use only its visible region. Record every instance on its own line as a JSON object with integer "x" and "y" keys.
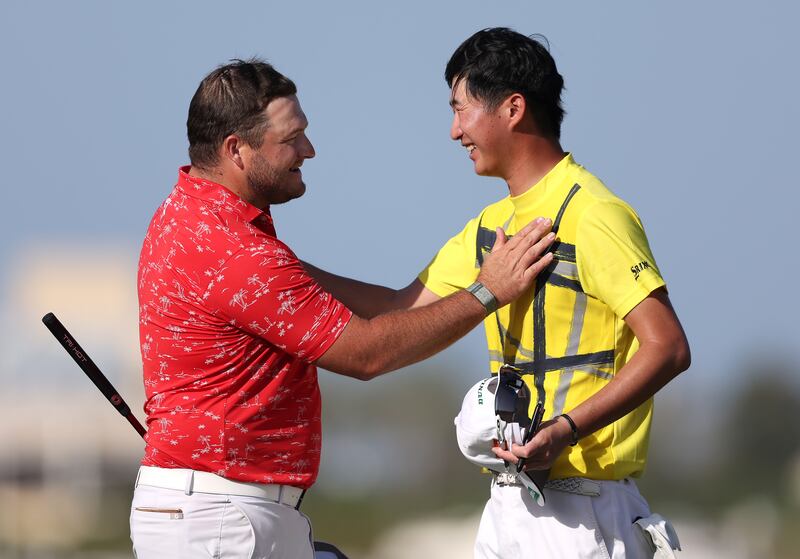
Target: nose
{"x": 308, "y": 148}
{"x": 455, "y": 128}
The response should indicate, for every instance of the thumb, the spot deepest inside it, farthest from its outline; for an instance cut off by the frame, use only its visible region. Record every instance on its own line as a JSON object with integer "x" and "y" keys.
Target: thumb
{"x": 500, "y": 239}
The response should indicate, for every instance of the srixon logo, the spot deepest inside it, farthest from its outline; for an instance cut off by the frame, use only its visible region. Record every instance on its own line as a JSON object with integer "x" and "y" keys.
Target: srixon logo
{"x": 639, "y": 268}
{"x": 480, "y": 393}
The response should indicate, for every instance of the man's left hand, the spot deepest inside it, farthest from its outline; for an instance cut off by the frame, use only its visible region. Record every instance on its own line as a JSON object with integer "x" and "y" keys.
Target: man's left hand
{"x": 543, "y": 449}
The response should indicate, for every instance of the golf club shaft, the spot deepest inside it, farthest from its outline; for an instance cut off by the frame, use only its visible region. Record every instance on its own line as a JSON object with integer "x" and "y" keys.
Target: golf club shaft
{"x": 87, "y": 366}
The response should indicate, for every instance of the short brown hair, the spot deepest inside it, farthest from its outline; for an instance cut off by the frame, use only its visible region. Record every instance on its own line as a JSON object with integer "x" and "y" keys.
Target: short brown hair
{"x": 232, "y": 99}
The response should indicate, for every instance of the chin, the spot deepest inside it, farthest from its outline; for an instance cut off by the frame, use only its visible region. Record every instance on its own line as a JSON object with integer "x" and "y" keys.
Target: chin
{"x": 480, "y": 169}
{"x": 484, "y": 171}
{"x": 289, "y": 194}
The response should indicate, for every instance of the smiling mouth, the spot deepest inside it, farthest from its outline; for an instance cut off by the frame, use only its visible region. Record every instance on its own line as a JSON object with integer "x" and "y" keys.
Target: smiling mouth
{"x": 470, "y": 148}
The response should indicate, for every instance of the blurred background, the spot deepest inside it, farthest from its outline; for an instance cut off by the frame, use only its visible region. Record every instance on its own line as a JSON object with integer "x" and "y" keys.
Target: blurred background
{"x": 688, "y": 110}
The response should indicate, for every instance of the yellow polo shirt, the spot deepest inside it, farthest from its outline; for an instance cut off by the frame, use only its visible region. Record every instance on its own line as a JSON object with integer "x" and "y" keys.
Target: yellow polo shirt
{"x": 571, "y": 337}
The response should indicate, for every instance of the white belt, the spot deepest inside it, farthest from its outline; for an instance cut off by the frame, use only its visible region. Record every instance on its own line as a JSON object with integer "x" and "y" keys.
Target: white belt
{"x": 574, "y": 485}
{"x": 193, "y": 481}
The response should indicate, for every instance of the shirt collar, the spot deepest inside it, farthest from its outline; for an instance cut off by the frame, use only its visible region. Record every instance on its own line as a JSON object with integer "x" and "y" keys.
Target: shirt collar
{"x": 552, "y": 180}
{"x": 217, "y": 194}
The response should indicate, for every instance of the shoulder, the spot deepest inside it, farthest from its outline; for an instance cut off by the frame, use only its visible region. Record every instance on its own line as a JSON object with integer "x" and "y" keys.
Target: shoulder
{"x": 597, "y": 201}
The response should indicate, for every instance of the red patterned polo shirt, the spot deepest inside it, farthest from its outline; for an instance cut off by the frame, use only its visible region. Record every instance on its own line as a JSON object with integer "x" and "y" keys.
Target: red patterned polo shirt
{"x": 230, "y": 324}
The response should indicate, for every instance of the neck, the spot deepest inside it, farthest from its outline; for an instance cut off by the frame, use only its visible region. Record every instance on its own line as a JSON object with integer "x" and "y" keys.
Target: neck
{"x": 532, "y": 159}
{"x": 213, "y": 175}
{"x": 235, "y": 182}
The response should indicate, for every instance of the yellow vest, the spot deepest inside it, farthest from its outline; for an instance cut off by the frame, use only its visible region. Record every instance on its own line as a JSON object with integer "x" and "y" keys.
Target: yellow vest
{"x": 568, "y": 333}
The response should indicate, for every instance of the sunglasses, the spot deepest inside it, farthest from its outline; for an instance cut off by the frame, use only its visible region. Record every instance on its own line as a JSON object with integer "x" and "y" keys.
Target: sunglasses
{"x": 511, "y": 403}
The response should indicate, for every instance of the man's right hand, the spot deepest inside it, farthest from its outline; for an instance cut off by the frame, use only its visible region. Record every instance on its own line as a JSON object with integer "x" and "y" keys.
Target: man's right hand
{"x": 512, "y": 266}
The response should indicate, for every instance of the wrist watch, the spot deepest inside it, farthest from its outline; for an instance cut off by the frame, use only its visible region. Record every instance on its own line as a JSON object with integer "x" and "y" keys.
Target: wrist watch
{"x": 483, "y": 295}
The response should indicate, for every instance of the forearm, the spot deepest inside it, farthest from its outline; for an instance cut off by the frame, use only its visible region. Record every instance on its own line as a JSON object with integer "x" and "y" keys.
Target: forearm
{"x": 651, "y": 368}
{"x": 397, "y": 339}
{"x": 370, "y": 347}
{"x": 364, "y": 299}
{"x": 663, "y": 353}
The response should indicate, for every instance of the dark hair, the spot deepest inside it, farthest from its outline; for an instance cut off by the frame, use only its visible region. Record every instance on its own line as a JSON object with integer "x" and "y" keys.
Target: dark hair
{"x": 498, "y": 61}
{"x": 229, "y": 100}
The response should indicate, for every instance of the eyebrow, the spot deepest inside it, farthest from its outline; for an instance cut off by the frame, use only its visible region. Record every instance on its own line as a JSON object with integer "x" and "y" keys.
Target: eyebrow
{"x": 296, "y": 130}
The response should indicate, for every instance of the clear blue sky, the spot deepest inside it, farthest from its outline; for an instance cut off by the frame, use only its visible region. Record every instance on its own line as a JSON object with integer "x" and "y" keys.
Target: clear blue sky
{"x": 688, "y": 110}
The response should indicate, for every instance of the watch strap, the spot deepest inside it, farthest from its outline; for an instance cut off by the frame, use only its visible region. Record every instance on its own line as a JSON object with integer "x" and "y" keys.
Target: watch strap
{"x": 486, "y": 297}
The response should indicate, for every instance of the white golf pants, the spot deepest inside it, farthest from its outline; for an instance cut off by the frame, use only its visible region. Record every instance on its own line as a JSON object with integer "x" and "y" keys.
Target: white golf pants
{"x": 568, "y": 526}
{"x": 167, "y": 523}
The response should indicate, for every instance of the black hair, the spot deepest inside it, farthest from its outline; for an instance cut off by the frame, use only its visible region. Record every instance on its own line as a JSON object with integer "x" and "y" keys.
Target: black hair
{"x": 498, "y": 61}
{"x": 231, "y": 99}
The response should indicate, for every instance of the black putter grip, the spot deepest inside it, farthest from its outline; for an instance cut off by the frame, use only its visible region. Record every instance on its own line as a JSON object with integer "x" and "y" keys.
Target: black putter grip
{"x": 87, "y": 366}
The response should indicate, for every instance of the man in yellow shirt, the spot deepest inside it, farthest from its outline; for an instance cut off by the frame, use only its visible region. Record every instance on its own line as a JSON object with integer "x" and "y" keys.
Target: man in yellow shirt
{"x": 597, "y": 336}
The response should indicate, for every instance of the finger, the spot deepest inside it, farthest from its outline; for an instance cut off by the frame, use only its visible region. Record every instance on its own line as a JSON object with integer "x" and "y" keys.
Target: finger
{"x": 521, "y": 451}
{"x": 538, "y": 223}
{"x": 537, "y": 253}
{"x": 500, "y": 239}
{"x": 530, "y": 234}
{"x": 538, "y": 248}
{"x": 533, "y": 270}
{"x": 505, "y": 455}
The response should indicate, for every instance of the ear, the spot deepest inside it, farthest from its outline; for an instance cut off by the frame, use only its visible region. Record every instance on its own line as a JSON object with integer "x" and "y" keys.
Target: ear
{"x": 231, "y": 150}
{"x": 515, "y": 106}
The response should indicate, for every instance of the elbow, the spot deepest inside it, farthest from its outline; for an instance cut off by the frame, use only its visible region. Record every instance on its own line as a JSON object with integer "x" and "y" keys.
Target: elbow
{"x": 359, "y": 373}
{"x": 368, "y": 368}
{"x": 671, "y": 356}
{"x": 681, "y": 355}
{"x": 373, "y": 368}
{"x": 684, "y": 357}
{"x": 365, "y": 376}
{"x": 355, "y": 372}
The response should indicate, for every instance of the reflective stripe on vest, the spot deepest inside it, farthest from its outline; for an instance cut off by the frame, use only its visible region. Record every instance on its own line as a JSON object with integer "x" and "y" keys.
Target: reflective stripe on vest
{"x": 560, "y": 273}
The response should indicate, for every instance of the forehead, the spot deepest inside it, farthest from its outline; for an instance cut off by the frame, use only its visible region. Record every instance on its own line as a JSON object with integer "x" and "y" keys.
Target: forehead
{"x": 459, "y": 95}
{"x": 458, "y": 90}
{"x": 285, "y": 114}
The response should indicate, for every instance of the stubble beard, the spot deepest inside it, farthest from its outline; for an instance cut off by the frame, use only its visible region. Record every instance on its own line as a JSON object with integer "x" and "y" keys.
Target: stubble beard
{"x": 271, "y": 185}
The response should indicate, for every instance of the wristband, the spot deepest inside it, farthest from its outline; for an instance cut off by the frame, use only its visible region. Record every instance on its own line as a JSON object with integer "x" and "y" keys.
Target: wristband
{"x": 486, "y": 297}
{"x": 574, "y": 428}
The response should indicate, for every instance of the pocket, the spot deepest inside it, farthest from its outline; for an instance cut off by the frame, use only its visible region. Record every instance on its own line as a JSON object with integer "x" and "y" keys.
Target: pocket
{"x": 173, "y": 514}
{"x": 155, "y": 533}
{"x": 658, "y": 536}
{"x": 237, "y": 536}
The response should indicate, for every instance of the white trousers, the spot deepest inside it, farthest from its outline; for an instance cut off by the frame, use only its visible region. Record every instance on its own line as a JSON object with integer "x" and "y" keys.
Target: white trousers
{"x": 568, "y": 526}
{"x": 167, "y": 523}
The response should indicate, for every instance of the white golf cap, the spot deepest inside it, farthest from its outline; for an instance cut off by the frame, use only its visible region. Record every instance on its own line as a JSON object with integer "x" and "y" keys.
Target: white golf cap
{"x": 476, "y": 425}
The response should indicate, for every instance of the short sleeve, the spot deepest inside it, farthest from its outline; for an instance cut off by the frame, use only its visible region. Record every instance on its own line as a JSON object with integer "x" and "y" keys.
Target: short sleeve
{"x": 455, "y": 266}
{"x": 615, "y": 263}
{"x": 265, "y": 291}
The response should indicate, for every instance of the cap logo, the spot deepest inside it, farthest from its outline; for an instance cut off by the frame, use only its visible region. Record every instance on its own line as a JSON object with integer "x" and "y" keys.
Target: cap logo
{"x": 480, "y": 391}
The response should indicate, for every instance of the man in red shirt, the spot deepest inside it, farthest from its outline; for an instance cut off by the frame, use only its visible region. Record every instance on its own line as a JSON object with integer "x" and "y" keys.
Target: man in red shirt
{"x": 232, "y": 325}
